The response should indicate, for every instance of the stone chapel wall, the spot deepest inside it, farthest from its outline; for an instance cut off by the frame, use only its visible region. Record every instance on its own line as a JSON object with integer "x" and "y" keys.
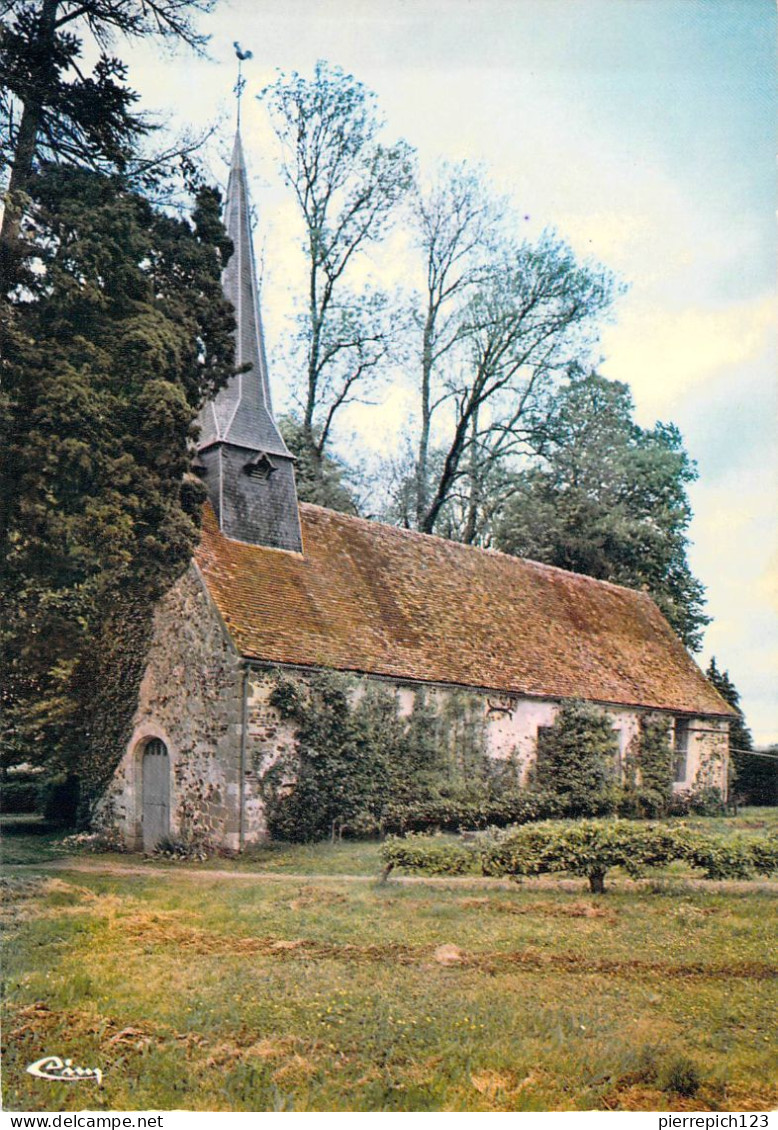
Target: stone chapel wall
{"x": 190, "y": 699}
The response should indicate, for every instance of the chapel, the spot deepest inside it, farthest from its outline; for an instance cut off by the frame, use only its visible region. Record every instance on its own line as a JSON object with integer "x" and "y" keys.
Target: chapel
{"x": 278, "y": 584}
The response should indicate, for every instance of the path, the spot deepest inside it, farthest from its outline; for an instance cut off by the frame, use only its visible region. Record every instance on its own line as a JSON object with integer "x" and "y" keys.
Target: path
{"x": 83, "y": 866}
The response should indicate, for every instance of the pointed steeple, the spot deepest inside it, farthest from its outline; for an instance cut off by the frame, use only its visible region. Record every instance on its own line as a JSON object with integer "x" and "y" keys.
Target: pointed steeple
{"x": 249, "y": 469}
{"x": 242, "y": 412}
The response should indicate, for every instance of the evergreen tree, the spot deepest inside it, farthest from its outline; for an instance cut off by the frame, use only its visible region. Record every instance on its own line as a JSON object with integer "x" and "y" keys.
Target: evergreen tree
{"x": 52, "y": 109}
{"x": 755, "y": 778}
{"x": 120, "y": 334}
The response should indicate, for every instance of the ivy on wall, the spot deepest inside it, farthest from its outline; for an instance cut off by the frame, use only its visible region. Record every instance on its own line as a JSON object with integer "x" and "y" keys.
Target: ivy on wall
{"x": 358, "y": 766}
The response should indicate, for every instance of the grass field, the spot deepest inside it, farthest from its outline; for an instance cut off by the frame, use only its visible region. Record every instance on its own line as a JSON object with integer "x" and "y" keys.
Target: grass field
{"x": 327, "y": 994}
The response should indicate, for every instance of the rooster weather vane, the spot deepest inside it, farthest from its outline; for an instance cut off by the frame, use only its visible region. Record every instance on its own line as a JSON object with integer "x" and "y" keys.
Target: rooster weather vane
{"x": 240, "y": 85}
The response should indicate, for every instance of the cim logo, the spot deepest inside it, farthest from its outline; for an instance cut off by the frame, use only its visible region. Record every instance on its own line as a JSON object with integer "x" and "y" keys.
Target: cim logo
{"x": 60, "y": 1070}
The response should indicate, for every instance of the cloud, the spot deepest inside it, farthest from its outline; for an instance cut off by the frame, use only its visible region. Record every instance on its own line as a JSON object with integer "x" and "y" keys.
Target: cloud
{"x": 665, "y": 354}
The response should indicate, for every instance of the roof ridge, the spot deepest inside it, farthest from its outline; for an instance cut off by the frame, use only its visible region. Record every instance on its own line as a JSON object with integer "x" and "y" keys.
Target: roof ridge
{"x": 460, "y": 545}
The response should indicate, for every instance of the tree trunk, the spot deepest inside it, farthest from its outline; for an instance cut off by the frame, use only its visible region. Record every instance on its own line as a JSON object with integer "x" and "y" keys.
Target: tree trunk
{"x": 597, "y": 882}
{"x": 422, "y": 469}
{"x": 475, "y": 475}
{"x": 24, "y": 151}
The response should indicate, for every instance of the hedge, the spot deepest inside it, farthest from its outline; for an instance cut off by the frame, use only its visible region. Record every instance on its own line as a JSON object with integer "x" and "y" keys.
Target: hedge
{"x": 589, "y": 848}
{"x": 19, "y": 796}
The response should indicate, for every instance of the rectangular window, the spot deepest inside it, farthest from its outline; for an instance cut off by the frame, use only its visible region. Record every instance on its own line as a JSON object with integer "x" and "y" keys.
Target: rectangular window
{"x": 680, "y": 749}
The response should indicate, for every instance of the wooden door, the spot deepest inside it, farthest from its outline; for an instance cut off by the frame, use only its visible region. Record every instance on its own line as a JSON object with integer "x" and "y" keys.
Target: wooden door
{"x": 156, "y": 794}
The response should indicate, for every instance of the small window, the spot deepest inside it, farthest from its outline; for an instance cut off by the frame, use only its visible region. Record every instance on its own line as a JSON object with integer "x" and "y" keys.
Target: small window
{"x": 680, "y": 749}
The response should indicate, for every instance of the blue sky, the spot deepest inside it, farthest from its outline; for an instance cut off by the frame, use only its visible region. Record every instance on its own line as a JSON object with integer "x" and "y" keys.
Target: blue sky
{"x": 644, "y": 132}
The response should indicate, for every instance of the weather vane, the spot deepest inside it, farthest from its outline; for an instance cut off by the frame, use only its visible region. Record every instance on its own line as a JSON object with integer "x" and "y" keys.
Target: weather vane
{"x": 240, "y": 85}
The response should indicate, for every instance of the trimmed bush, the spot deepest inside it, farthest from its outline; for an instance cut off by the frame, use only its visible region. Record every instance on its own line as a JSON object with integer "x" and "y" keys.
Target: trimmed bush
{"x": 589, "y": 848}
{"x": 699, "y": 801}
{"x": 434, "y": 855}
{"x": 681, "y": 1076}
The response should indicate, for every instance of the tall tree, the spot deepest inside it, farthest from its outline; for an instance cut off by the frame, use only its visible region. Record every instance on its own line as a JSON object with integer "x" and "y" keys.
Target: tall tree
{"x": 456, "y": 222}
{"x": 121, "y": 333}
{"x": 756, "y": 776}
{"x": 608, "y": 498}
{"x": 52, "y": 109}
{"x": 321, "y": 479}
{"x": 347, "y": 185}
{"x": 529, "y": 313}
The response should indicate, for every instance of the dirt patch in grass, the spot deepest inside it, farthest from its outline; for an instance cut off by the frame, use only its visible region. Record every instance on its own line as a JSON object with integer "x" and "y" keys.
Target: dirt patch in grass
{"x": 540, "y": 909}
{"x": 151, "y": 930}
{"x": 635, "y": 1096}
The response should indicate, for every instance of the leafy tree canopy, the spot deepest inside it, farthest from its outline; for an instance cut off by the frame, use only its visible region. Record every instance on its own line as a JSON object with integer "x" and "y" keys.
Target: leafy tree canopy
{"x": 608, "y": 498}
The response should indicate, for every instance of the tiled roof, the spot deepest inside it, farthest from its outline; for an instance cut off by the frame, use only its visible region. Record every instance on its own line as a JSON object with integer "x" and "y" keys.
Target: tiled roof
{"x": 372, "y": 598}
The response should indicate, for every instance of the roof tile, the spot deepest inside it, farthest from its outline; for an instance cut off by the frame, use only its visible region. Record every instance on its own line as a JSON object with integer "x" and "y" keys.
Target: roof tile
{"x": 372, "y": 598}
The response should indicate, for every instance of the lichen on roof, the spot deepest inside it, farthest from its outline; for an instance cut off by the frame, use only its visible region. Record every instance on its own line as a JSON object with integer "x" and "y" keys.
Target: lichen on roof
{"x": 372, "y": 598}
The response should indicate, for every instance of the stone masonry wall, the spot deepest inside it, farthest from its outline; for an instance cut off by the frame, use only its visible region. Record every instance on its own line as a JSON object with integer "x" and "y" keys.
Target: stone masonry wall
{"x": 510, "y": 731}
{"x": 191, "y": 699}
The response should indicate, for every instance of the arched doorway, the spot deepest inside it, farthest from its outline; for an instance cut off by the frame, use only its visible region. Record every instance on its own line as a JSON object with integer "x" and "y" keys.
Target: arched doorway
{"x": 156, "y": 794}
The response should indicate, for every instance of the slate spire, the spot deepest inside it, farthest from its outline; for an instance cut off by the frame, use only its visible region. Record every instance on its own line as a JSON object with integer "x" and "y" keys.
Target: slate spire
{"x": 249, "y": 470}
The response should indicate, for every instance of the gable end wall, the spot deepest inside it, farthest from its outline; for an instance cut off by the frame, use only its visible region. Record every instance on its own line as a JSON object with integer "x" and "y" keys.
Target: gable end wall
{"x": 190, "y": 698}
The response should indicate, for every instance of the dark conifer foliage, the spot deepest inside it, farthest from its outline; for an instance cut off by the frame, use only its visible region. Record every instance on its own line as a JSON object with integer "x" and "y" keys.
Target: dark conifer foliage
{"x": 119, "y": 334}
{"x": 607, "y": 498}
{"x": 756, "y": 778}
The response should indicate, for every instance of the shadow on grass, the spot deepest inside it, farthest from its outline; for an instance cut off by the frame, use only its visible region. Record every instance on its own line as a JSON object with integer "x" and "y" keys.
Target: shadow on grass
{"x": 29, "y": 839}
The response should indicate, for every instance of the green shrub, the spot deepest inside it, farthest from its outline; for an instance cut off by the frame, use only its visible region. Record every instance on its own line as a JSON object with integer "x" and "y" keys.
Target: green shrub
{"x": 682, "y": 1076}
{"x": 19, "y": 796}
{"x": 452, "y": 811}
{"x": 706, "y": 800}
{"x": 764, "y": 855}
{"x": 434, "y": 855}
{"x": 576, "y": 760}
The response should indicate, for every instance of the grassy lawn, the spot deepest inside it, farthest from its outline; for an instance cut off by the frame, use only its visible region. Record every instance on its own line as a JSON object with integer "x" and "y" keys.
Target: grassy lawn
{"x": 205, "y": 994}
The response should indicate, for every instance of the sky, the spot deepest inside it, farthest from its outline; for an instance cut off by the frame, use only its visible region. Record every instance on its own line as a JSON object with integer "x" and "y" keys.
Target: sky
{"x": 643, "y": 131}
